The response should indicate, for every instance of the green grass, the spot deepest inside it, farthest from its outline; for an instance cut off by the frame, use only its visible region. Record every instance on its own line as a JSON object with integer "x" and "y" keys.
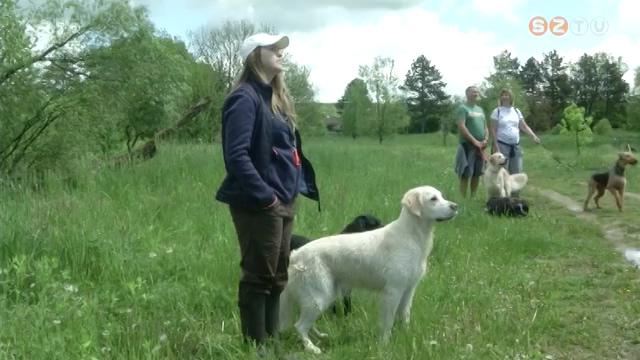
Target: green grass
{"x": 142, "y": 263}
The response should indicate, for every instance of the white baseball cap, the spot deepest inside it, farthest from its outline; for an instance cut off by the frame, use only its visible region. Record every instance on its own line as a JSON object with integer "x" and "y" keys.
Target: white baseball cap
{"x": 261, "y": 39}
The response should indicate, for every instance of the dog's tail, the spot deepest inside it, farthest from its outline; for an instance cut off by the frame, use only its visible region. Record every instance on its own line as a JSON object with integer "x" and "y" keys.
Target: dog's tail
{"x": 518, "y": 181}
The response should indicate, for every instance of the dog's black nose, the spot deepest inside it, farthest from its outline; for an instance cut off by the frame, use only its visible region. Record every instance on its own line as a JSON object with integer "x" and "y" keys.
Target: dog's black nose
{"x": 453, "y": 206}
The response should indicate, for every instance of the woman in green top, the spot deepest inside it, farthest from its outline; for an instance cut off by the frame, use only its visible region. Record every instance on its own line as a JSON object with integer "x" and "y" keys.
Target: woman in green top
{"x": 474, "y": 137}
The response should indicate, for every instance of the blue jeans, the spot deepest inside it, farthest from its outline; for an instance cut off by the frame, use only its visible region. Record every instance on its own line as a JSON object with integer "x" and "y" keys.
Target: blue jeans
{"x": 513, "y": 153}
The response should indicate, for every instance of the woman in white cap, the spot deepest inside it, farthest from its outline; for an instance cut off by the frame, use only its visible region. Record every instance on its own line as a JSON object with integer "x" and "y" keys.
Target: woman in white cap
{"x": 266, "y": 170}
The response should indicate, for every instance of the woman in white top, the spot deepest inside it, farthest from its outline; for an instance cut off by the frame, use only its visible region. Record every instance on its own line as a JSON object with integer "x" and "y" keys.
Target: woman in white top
{"x": 506, "y": 123}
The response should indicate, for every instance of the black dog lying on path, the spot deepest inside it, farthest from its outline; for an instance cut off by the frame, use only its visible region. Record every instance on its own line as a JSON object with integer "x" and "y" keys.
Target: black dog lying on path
{"x": 508, "y": 206}
{"x": 360, "y": 224}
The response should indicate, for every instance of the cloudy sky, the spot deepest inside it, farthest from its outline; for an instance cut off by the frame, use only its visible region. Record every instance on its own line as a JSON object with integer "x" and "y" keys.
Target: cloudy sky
{"x": 334, "y": 37}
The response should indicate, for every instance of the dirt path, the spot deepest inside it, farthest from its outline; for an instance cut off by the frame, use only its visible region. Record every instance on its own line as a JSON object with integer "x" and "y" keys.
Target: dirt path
{"x": 632, "y": 195}
{"x": 614, "y": 231}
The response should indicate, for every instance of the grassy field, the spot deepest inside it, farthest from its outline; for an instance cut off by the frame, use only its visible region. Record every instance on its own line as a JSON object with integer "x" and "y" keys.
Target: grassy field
{"x": 142, "y": 263}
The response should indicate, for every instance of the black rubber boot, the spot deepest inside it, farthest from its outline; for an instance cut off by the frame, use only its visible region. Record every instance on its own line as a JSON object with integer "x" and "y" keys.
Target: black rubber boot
{"x": 272, "y": 313}
{"x": 252, "y": 315}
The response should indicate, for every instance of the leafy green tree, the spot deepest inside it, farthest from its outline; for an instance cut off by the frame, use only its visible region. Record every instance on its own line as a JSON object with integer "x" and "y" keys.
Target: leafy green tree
{"x": 506, "y": 66}
{"x": 204, "y": 84}
{"x": 156, "y": 71}
{"x": 531, "y": 77}
{"x": 426, "y": 100}
{"x": 505, "y": 76}
{"x": 383, "y": 86}
{"x": 602, "y": 127}
{"x": 539, "y": 116}
{"x": 355, "y": 107}
{"x": 310, "y": 120}
{"x": 636, "y": 82}
{"x": 448, "y": 125}
{"x": 633, "y": 103}
{"x": 41, "y": 81}
{"x": 577, "y": 125}
{"x": 556, "y": 88}
{"x": 599, "y": 86}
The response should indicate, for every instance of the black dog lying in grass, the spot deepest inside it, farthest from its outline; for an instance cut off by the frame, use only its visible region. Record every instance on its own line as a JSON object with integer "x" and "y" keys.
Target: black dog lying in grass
{"x": 360, "y": 224}
{"x": 508, "y": 206}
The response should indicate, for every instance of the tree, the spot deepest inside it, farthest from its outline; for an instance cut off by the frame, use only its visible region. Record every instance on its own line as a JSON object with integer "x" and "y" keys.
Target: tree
{"x": 556, "y": 88}
{"x": 355, "y": 107}
{"x": 531, "y": 77}
{"x": 506, "y": 66}
{"x": 41, "y": 86}
{"x": 448, "y": 125}
{"x": 154, "y": 96}
{"x": 633, "y": 103}
{"x": 616, "y": 90}
{"x": 426, "y": 101}
{"x": 219, "y": 47}
{"x": 599, "y": 87}
{"x": 636, "y": 82}
{"x": 633, "y": 112}
{"x": 505, "y": 76}
{"x": 301, "y": 90}
{"x": 577, "y": 125}
{"x": 383, "y": 87}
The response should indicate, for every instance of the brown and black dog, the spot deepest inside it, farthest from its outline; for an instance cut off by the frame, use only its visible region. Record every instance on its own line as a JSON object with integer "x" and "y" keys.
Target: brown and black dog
{"x": 613, "y": 180}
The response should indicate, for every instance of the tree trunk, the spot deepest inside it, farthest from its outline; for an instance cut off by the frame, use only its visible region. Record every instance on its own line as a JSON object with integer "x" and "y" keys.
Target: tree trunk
{"x": 149, "y": 149}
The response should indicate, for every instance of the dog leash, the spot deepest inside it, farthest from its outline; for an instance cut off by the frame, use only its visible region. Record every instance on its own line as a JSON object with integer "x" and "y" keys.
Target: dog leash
{"x": 555, "y": 157}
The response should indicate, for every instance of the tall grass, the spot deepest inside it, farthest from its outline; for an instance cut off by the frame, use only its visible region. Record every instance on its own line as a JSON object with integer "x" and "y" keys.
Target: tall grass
{"x": 142, "y": 263}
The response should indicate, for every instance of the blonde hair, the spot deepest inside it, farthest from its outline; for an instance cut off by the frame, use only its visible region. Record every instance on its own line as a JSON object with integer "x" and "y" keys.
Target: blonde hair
{"x": 280, "y": 99}
{"x": 506, "y": 91}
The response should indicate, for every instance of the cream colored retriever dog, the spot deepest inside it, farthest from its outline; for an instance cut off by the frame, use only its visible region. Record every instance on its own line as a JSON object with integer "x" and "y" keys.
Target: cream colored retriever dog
{"x": 497, "y": 179}
{"x": 390, "y": 260}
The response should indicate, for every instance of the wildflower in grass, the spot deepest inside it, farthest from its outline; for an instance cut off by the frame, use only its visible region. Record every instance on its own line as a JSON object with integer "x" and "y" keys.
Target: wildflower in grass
{"x": 57, "y": 322}
{"x": 169, "y": 250}
{"x": 433, "y": 343}
{"x": 70, "y": 288}
{"x": 163, "y": 338}
{"x": 469, "y": 347}
{"x": 152, "y": 255}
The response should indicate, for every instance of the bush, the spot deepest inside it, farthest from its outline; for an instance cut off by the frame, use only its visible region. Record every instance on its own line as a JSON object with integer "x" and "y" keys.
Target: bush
{"x": 603, "y": 127}
{"x": 557, "y": 130}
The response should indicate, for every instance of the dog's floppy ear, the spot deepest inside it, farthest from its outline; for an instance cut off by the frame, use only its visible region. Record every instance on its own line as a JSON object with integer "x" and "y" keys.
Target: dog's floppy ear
{"x": 411, "y": 201}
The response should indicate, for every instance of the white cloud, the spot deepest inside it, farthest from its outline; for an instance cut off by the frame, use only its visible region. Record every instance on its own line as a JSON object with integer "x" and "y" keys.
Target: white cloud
{"x": 334, "y": 53}
{"x": 506, "y": 10}
{"x": 628, "y": 15}
{"x": 334, "y": 37}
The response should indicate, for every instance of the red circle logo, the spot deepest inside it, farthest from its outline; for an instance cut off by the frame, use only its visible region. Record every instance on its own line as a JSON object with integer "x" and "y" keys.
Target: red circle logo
{"x": 538, "y": 25}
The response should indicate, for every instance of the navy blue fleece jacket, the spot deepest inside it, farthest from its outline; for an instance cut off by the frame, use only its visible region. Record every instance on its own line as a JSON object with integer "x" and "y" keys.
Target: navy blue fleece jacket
{"x": 262, "y": 155}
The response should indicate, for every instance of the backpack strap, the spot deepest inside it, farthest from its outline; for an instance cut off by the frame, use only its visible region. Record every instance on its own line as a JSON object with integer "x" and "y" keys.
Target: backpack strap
{"x": 519, "y": 113}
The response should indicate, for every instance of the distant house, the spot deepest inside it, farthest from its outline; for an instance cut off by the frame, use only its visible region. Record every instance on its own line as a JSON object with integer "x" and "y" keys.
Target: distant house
{"x": 333, "y": 124}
